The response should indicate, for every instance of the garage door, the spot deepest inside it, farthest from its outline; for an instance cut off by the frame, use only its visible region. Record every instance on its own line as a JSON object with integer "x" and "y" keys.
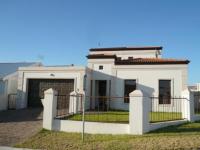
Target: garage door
{"x": 36, "y": 88}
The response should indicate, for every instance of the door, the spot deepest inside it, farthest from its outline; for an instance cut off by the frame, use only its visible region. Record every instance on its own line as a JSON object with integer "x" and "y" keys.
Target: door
{"x": 36, "y": 88}
{"x": 101, "y": 95}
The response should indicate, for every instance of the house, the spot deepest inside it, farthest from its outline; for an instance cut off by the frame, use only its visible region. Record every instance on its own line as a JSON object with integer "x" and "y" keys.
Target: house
{"x": 119, "y": 71}
{"x": 8, "y": 82}
{"x": 112, "y": 73}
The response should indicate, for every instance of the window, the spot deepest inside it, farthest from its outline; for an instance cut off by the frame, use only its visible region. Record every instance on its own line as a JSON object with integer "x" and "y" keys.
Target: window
{"x": 129, "y": 86}
{"x": 100, "y": 67}
{"x": 164, "y": 91}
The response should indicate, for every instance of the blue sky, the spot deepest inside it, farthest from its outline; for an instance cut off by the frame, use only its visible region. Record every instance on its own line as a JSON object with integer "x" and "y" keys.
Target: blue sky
{"x": 61, "y": 31}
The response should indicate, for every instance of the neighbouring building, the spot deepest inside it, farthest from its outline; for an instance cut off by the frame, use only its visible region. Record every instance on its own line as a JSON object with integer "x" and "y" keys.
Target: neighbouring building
{"x": 9, "y": 82}
{"x": 110, "y": 72}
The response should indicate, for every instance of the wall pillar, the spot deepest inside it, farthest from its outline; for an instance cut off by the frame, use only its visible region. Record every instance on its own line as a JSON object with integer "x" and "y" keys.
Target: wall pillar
{"x": 139, "y": 108}
{"x": 187, "y": 105}
{"x": 50, "y": 104}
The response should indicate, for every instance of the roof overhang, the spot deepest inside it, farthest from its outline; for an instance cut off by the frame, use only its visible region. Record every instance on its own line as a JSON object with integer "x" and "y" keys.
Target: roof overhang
{"x": 126, "y": 48}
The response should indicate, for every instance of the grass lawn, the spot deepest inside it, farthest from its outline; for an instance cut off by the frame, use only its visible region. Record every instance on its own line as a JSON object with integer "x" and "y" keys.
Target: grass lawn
{"x": 185, "y": 136}
{"x": 123, "y": 116}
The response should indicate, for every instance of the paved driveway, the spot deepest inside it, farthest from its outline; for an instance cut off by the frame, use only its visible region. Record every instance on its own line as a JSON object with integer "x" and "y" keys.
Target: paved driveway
{"x": 18, "y": 125}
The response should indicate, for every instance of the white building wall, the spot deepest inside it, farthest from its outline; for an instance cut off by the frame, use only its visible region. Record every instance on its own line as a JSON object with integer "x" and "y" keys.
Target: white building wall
{"x": 76, "y": 73}
{"x": 8, "y": 86}
{"x": 147, "y": 78}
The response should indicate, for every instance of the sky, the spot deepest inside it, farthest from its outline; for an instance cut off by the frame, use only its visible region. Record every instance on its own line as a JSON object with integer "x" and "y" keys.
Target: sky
{"x": 60, "y": 32}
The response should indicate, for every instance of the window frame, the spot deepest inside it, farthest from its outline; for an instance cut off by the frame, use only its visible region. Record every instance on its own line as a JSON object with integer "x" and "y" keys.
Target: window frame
{"x": 168, "y": 102}
{"x": 101, "y": 67}
{"x": 127, "y": 100}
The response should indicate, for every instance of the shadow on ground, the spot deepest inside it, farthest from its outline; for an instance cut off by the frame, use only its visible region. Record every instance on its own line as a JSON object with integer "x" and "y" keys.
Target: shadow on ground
{"x": 30, "y": 114}
{"x": 184, "y": 128}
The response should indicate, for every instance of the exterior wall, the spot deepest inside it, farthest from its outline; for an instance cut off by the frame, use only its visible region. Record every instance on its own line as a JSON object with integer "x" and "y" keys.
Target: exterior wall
{"x": 9, "y": 84}
{"x": 146, "y": 76}
{"x": 90, "y": 127}
{"x": 26, "y": 73}
{"x": 134, "y": 53}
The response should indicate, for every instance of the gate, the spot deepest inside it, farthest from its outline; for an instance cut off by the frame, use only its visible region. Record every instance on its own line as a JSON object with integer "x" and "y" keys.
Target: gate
{"x": 12, "y": 101}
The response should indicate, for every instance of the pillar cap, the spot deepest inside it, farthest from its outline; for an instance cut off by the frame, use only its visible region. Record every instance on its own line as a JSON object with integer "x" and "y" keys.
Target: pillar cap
{"x": 50, "y": 91}
{"x": 136, "y": 93}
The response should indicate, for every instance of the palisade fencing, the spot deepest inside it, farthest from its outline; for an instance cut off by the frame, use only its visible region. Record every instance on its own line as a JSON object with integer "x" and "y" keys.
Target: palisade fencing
{"x": 107, "y": 109}
{"x": 68, "y": 105}
{"x": 166, "y": 109}
{"x": 114, "y": 109}
{"x": 100, "y": 109}
{"x": 197, "y": 103}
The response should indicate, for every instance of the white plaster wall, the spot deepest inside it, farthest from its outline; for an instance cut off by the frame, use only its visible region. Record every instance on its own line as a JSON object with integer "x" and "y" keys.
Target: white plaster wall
{"x": 147, "y": 78}
{"x": 90, "y": 127}
{"x": 10, "y": 87}
{"x": 46, "y": 73}
{"x": 104, "y": 74}
{"x": 12, "y": 84}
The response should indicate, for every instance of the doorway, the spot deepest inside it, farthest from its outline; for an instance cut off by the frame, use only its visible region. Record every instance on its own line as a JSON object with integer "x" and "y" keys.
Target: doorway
{"x": 101, "y": 95}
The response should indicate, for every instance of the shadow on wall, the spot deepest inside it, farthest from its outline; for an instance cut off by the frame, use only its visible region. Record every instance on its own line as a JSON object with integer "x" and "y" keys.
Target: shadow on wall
{"x": 116, "y": 89}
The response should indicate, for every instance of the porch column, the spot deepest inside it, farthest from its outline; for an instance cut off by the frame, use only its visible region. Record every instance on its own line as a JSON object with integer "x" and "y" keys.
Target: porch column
{"x": 139, "y": 108}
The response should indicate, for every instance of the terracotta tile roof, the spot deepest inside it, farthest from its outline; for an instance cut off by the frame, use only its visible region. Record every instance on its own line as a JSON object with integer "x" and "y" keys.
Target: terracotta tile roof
{"x": 126, "y": 48}
{"x": 138, "y": 61}
{"x": 141, "y": 61}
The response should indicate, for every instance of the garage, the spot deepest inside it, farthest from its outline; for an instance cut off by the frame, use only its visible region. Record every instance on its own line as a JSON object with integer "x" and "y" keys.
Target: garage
{"x": 36, "y": 88}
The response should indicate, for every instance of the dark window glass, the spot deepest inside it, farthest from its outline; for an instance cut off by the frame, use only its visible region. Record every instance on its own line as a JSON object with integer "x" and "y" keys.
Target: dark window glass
{"x": 164, "y": 91}
{"x": 100, "y": 67}
{"x": 129, "y": 86}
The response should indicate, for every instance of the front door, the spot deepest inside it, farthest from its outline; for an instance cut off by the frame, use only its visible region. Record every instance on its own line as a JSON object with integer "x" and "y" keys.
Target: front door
{"x": 101, "y": 95}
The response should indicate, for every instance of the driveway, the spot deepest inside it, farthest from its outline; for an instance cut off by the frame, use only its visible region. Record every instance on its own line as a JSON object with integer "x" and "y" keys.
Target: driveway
{"x": 18, "y": 125}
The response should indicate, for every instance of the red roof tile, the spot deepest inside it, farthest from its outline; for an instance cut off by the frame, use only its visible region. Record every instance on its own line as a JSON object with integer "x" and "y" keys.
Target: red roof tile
{"x": 141, "y": 61}
{"x": 138, "y": 61}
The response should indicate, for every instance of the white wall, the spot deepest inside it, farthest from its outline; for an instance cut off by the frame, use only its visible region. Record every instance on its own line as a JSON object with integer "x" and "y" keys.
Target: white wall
{"x": 146, "y": 76}
{"x": 10, "y": 87}
{"x": 26, "y": 73}
{"x": 90, "y": 127}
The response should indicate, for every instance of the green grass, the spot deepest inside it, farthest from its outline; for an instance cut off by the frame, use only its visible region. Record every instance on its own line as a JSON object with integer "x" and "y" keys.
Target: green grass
{"x": 123, "y": 116}
{"x": 164, "y": 116}
{"x": 185, "y": 136}
{"x": 110, "y": 116}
